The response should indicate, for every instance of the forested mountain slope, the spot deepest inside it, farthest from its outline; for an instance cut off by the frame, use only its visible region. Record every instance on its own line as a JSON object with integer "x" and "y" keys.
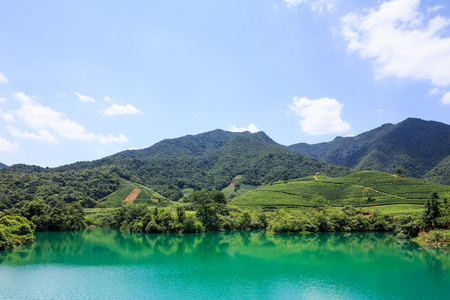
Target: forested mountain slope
{"x": 414, "y": 145}
{"x": 192, "y": 145}
{"x": 2, "y": 165}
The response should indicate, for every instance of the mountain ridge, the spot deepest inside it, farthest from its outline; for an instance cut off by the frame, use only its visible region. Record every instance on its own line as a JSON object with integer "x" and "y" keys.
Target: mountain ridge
{"x": 192, "y": 145}
{"x": 413, "y": 145}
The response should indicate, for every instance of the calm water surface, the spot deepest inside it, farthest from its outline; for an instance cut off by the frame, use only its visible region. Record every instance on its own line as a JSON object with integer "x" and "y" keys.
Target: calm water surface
{"x": 109, "y": 264}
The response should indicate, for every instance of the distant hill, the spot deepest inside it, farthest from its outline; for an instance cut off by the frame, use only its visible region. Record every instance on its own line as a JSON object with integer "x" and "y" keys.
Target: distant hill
{"x": 192, "y": 145}
{"x": 2, "y": 166}
{"x": 419, "y": 147}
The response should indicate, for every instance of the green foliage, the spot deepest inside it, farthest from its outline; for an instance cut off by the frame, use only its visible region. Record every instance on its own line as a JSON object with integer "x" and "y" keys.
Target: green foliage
{"x": 21, "y": 184}
{"x": 354, "y": 189}
{"x": 421, "y": 148}
{"x": 124, "y": 189}
{"x": 15, "y": 231}
{"x": 432, "y": 211}
{"x": 408, "y": 228}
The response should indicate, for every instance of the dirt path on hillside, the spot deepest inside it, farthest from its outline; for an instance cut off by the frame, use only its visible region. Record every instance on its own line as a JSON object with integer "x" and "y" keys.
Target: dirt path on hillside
{"x": 316, "y": 178}
{"x": 133, "y": 195}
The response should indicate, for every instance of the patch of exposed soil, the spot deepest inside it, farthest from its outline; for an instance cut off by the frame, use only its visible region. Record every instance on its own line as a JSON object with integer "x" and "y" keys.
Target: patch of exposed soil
{"x": 234, "y": 181}
{"x": 133, "y": 195}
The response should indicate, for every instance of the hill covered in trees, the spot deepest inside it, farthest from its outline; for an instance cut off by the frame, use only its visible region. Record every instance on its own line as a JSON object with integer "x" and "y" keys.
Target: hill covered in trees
{"x": 206, "y": 161}
{"x": 211, "y": 160}
{"x": 420, "y": 148}
{"x": 2, "y": 165}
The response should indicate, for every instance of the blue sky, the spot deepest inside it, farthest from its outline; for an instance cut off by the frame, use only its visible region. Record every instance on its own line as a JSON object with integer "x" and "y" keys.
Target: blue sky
{"x": 80, "y": 80}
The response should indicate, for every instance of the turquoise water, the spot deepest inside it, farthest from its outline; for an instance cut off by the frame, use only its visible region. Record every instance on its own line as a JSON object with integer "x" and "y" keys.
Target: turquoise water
{"x": 109, "y": 264}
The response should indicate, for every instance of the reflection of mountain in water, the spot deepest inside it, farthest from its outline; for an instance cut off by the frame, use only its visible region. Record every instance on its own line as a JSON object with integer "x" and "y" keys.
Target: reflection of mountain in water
{"x": 104, "y": 246}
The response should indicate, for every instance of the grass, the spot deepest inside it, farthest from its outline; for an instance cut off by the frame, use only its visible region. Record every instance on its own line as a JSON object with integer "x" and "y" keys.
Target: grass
{"x": 388, "y": 189}
{"x": 413, "y": 210}
{"x": 243, "y": 188}
{"x": 116, "y": 198}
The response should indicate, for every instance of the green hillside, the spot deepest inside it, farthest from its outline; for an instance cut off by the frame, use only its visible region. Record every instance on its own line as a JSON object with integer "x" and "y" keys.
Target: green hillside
{"x": 354, "y": 189}
{"x": 414, "y": 145}
{"x": 147, "y": 195}
{"x": 255, "y": 159}
{"x": 192, "y": 145}
{"x": 236, "y": 187}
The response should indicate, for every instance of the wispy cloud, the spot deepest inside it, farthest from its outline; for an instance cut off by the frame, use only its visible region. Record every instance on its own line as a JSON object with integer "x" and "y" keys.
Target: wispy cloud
{"x": 251, "y": 127}
{"x": 316, "y": 5}
{"x": 86, "y": 99}
{"x": 116, "y": 109}
{"x": 446, "y": 98}
{"x": 3, "y": 78}
{"x": 319, "y": 116}
{"x": 7, "y": 146}
{"x": 6, "y": 116}
{"x": 401, "y": 41}
{"x": 47, "y": 121}
{"x": 41, "y": 135}
{"x": 113, "y": 139}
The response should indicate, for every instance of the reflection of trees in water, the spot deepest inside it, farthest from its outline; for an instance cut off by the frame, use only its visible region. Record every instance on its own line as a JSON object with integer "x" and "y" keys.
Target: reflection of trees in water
{"x": 103, "y": 246}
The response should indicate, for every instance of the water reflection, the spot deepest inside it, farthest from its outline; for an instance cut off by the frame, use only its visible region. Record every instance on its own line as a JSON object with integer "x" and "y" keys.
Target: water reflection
{"x": 103, "y": 246}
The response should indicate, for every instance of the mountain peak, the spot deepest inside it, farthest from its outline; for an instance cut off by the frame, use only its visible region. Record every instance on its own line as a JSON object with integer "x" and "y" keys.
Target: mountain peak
{"x": 193, "y": 145}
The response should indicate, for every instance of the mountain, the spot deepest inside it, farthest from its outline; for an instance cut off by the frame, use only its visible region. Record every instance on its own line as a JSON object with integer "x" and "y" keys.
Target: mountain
{"x": 192, "y": 145}
{"x": 418, "y": 147}
{"x": 210, "y": 161}
{"x": 2, "y": 166}
{"x": 254, "y": 156}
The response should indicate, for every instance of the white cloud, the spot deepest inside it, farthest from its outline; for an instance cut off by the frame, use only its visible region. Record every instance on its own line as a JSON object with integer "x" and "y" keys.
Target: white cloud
{"x": 316, "y": 5}
{"x": 321, "y": 5}
{"x": 83, "y": 98}
{"x": 117, "y": 109}
{"x": 3, "y": 78}
{"x": 435, "y": 8}
{"x": 42, "y": 135}
{"x": 252, "y": 128}
{"x": 45, "y": 120}
{"x": 293, "y": 3}
{"x": 7, "y": 146}
{"x": 434, "y": 91}
{"x": 113, "y": 139}
{"x": 2, "y": 100}
{"x": 6, "y": 116}
{"x": 320, "y": 116}
{"x": 446, "y": 98}
{"x": 108, "y": 99}
{"x": 401, "y": 41}
{"x": 41, "y": 117}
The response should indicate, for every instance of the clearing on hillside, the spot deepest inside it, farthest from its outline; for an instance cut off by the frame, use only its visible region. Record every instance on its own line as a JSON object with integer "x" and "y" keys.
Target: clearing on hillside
{"x": 131, "y": 192}
{"x": 133, "y": 195}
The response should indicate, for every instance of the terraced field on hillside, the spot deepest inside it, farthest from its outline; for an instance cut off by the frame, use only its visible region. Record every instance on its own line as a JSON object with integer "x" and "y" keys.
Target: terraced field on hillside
{"x": 383, "y": 188}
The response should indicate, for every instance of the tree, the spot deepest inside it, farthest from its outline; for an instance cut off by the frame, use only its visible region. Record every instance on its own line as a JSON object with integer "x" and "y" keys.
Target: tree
{"x": 318, "y": 202}
{"x": 400, "y": 171}
{"x": 369, "y": 193}
{"x": 432, "y": 210}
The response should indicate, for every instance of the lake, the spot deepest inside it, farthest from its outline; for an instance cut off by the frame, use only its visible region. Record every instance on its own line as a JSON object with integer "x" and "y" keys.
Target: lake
{"x": 104, "y": 263}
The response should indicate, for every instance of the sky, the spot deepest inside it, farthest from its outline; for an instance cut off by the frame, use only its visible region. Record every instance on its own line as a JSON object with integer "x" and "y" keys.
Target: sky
{"x": 81, "y": 80}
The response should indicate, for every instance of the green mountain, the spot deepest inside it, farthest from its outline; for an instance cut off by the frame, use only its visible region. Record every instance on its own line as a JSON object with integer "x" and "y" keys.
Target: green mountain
{"x": 418, "y": 147}
{"x": 192, "y": 145}
{"x": 251, "y": 156}
{"x": 256, "y": 157}
{"x": 2, "y": 166}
